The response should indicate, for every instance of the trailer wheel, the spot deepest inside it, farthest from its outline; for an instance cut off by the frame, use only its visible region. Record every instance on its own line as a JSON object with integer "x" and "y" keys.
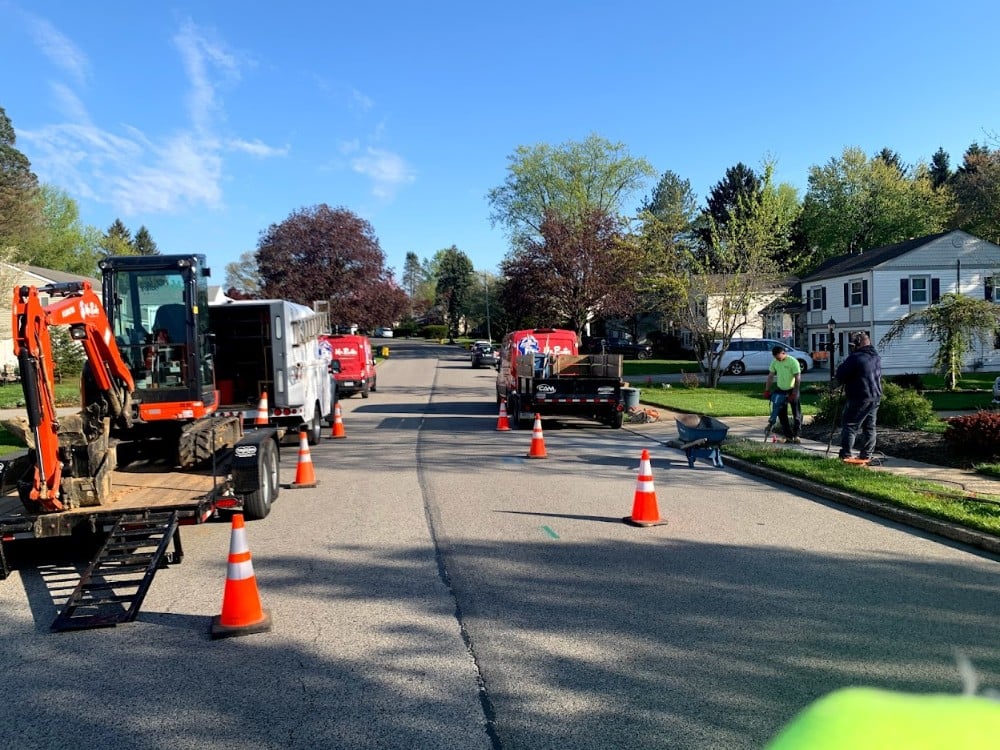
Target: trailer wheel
{"x": 257, "y": 504}
{"x": 616, "y": 419}
{"x": 315, "y": 427}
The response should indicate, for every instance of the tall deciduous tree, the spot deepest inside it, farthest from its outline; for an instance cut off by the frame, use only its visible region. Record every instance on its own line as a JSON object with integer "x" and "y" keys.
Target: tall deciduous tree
{"x": 855, "y": 203}
{"x": 730, "y": 285}
{"x": 333, "y": 255}
{"x": 957, "y": 323}
{"x": 62, "y": 242}
{"x": 454, "y": 281}
{"x": 581, "y": 267}
{"x": 412, "y": 274}
{"x": 665, "y": 241}
{"x": 242, "y": 278}
{"x": 570, "y": 181}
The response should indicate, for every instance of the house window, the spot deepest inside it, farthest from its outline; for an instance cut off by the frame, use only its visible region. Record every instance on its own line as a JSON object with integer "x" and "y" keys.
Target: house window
{"x": 816, "y": 297}
{"x": 857, "y": 298}
{"x": 919, "y": 290}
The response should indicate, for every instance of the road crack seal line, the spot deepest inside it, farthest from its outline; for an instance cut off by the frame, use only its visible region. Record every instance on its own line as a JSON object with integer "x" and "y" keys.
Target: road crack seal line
{"x": 432, "y": 515}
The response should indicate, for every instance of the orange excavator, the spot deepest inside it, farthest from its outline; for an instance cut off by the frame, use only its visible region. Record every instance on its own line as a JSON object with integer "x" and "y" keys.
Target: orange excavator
{"x": 148, "y": 387}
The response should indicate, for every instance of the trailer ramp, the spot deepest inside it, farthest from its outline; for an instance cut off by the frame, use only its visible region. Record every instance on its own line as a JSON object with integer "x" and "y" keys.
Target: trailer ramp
{"x": 112, "y": 588}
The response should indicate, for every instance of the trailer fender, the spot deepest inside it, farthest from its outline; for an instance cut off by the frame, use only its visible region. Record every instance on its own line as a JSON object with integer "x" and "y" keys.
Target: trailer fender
{"x": 255, "y": 471}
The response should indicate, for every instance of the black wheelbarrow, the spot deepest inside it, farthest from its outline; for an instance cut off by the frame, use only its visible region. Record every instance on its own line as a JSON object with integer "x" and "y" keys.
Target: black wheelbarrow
{"x": 700, "y": 437}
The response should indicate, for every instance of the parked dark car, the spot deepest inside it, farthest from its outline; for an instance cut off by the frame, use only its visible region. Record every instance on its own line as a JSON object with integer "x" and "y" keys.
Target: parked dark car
{"x": 482, "y": 354}
{"x": 616, "y": 344}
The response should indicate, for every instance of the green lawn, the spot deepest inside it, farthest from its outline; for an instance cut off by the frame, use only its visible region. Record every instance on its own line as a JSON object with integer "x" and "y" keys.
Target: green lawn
{"x": 982, "y": 513}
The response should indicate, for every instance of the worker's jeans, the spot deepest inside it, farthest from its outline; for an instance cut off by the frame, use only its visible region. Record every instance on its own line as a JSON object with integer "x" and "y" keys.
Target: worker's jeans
{"x": 859, "y": 417}
{"x": 779, "y": 411}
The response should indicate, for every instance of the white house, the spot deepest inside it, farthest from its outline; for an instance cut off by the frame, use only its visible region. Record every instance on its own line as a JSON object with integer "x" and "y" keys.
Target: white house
{"x": 11, "y": 275}
{"x": 870, "y": 290}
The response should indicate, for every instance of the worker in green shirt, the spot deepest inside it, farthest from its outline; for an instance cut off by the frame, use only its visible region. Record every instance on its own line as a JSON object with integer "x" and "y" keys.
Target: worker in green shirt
{"x": 785, "y": 375}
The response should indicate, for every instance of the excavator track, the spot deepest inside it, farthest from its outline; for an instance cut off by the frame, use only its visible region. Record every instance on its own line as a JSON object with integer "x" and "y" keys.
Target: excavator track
{"x": 201, "y": 440}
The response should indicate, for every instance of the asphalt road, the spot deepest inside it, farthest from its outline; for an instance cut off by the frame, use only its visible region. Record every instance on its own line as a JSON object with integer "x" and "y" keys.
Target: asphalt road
{"x": 440, "y": 590}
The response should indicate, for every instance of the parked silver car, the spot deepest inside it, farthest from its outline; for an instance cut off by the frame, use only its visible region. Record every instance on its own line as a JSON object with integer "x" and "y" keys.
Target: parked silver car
{"x": 482, "y": 354}
{"x": 754, "y": 355}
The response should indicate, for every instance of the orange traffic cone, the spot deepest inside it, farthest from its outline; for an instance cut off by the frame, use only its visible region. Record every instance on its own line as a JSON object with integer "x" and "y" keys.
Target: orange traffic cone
{"x": 537, "y": 449}
{"x": 503, "y": 423}
{"x": 644, "y": 509}
{"x": 241, "y": 610}
{"x": 262, "y": 411}
{"x": 304, "y": 474}
{"x": 338, "y": 423}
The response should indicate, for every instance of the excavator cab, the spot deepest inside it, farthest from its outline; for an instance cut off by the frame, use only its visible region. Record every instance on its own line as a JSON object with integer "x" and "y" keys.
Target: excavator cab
{"x": 158, "y": 308}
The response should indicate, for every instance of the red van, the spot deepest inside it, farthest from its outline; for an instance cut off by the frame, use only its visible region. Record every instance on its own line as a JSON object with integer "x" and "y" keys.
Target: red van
{"x": 517, "y": 343}
{"x": 357, "y": 365}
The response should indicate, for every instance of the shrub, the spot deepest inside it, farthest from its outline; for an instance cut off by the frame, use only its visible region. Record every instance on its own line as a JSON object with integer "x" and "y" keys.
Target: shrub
{"x": 903, "y": 408}
{"x": 900, "y": 408}
{"x": 435, "y": 332}
{"x": 974, "y": 435}
{"x": 910, "y": 380}
{"x": 690, "y": 379}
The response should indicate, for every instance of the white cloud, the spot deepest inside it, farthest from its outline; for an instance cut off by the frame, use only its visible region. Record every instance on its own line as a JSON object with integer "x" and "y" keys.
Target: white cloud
{"x": 131, "y": 171}
{"x": 362, "y": 101}
{"x": 59, "y": 49}
{"x": 257, "y": 148}
{"x": 201, "y": 58}
{"x": 387, "y": 171}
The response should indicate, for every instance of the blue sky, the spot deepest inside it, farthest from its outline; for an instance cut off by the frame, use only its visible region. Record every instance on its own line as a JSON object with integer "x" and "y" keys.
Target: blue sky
{"x": 207, "y": 122}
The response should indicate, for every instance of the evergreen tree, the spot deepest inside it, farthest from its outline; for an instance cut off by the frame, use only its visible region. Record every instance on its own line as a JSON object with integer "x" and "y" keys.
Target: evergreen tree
{"x": 144, "y": 244}
{"x": 118, "y": 240}
{"x": 20, "y": 204}
{"x": 940, "y": 169}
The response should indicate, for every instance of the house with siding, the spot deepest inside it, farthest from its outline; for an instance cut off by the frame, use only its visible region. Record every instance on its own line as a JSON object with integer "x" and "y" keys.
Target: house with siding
{"x": 870, "y": 290}
{"x": 15, "y": 274}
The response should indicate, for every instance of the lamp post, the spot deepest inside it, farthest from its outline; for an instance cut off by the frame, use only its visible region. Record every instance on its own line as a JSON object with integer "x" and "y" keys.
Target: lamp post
{"x": 486, "y": 283}
{"x": 831, "y": 326}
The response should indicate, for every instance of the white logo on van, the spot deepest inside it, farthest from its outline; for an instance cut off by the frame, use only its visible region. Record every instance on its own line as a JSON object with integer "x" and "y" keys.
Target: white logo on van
{"x": 528, "y": 345}
{"x": 342, "y": 351}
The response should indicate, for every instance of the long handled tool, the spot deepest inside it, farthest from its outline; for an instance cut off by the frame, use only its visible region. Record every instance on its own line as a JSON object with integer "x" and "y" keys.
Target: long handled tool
{"x": 835, "y": 417}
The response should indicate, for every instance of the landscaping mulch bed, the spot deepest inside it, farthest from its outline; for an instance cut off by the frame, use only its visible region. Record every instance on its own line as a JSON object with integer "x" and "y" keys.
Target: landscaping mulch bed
{"x": 928, "y": 447}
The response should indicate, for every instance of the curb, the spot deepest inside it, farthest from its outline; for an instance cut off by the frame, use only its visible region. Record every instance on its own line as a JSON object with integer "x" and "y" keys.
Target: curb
{"x": 946, "y": 529}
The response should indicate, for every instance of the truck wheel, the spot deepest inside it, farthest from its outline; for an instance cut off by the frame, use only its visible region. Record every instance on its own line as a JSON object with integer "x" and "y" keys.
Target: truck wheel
{"x": 616, "y": 419}
{"x": 257, "y": 504}
{"x": 643, "y": 355}
{"x": 374, "y": 384}
{"x": 513, "y": 409}
{"x": 364, "y": 392}
{"x": 315, "y": 427}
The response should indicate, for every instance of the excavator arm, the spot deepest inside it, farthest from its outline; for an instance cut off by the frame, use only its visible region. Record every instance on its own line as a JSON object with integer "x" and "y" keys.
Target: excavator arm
{"x": 77, "y": 306}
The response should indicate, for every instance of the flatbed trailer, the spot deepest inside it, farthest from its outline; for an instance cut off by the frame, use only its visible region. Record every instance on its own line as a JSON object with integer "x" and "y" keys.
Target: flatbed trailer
{"x": 586, "y": 386}
{"x": 139, "y": 522}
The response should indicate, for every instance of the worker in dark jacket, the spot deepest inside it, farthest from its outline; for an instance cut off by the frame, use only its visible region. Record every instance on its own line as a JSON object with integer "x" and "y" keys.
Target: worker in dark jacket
{"x": 861, "y": 377}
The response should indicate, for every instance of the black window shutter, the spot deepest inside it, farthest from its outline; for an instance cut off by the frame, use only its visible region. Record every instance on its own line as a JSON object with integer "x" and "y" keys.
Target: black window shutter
{"x": 935, "y": 290}
{"x": 823, "y": 303}
{"x": 904, "y": 291}
{"x": 847, "y": 296}
{"x": 864, "y": 292}
{"x": 989, "y": 289}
